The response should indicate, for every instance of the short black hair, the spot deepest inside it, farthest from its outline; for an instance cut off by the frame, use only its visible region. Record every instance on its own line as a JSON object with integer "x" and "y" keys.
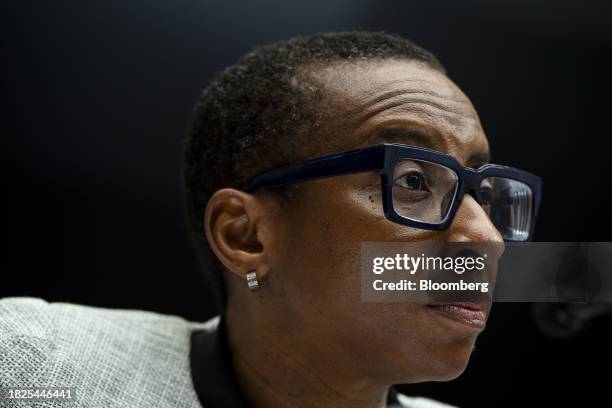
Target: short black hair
{"x": 243, "y": 122}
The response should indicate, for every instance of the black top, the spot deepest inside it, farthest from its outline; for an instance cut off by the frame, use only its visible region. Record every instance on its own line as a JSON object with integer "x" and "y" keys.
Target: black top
{"x": 213, "y": 372}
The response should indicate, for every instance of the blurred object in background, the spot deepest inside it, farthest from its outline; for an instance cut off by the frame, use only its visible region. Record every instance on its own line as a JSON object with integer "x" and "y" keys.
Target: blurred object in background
{"x": 567, "y": 320}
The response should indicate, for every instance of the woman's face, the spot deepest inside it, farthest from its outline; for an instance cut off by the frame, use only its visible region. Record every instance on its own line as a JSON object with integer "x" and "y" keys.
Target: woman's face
{"x": 312, "y": 244}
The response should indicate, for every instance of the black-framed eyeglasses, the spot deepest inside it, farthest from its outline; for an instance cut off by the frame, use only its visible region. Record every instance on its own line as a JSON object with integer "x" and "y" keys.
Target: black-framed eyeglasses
{"x": 423, "y": 188}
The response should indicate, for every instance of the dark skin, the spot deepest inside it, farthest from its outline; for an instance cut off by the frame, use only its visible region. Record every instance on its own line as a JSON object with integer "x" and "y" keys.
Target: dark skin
{"x": 305, "y": 338}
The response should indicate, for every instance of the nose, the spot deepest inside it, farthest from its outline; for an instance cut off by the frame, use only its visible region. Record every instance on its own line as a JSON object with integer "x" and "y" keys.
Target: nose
{"x": 472, "y": 224}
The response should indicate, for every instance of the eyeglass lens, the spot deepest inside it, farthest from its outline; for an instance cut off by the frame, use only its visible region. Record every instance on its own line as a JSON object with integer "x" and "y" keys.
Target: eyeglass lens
{"x": 423, "y": 191}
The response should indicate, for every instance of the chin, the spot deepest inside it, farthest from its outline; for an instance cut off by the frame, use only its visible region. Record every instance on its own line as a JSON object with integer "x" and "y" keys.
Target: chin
{"x": 450, "y": 374}
{"x": 437, "y": 373}
{"x": 445, "y": 362}
{"x": 452, "y": 362}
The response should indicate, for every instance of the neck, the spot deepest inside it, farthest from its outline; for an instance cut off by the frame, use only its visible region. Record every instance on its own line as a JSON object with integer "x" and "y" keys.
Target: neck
{"x": 275, "y": 368}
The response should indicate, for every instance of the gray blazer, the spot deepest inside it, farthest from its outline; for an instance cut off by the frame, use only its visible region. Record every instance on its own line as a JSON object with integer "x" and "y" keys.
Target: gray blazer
{"x": 109, "y": 357}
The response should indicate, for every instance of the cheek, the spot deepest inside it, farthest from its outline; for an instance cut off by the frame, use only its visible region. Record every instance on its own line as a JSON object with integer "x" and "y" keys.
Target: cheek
{"x": 323, "y": 231}
{"x": 321, "y": 282}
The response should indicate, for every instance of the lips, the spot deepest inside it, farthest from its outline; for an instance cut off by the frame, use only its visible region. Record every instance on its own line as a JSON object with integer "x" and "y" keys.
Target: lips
{"x": 472, "y": 314}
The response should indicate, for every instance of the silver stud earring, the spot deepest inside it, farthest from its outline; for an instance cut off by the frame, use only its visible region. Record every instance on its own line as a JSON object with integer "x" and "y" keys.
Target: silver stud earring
{"x": 251, "y": 278}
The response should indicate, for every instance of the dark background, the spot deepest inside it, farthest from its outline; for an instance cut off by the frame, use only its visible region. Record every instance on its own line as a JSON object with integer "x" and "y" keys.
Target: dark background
{"x": 96, "y": 100}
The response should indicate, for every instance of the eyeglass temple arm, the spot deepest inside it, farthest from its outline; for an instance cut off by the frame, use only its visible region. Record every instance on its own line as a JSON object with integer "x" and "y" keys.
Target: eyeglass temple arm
{"x": 355, "y": 161}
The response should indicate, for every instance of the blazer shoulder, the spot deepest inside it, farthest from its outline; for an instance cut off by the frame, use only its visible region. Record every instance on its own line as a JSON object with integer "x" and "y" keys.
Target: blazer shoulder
{"x": 112, "y": 357}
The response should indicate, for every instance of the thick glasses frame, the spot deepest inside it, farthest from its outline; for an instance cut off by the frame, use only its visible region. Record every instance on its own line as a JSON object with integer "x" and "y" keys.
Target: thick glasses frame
{"x": 384, "y": 157}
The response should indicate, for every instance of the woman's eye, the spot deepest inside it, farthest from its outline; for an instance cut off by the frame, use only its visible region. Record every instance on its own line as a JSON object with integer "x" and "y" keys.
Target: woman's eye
{"x": 412, "y": 180}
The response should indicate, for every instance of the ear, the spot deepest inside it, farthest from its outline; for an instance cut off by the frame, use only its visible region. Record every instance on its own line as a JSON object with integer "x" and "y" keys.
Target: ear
{"x": 231, "y": 224}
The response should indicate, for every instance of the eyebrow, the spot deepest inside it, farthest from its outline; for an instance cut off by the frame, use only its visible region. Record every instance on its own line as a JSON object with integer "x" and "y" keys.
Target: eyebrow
{"x": 478, "y": 159}
{"x": 409, "y": 136}
{"x": 422, "y": 138}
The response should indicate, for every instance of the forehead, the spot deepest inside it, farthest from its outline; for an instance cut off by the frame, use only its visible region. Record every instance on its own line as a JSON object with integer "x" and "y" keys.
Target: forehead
{"x": 397, "y": 101}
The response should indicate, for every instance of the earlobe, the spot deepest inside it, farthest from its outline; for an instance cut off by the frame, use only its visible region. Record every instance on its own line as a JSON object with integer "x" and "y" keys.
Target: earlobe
{"x": 230, "y": 224}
